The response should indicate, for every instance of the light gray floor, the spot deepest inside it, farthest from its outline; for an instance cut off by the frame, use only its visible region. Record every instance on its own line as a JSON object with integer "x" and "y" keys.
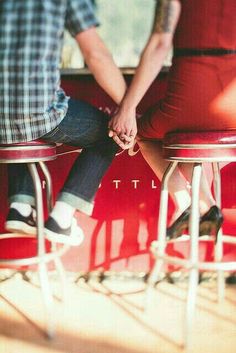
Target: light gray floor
{"x": 100, "y": 318}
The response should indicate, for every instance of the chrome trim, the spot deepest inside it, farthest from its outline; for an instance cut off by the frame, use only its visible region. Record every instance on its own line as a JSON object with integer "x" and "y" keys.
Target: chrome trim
{"x": 30, "y": 160}
{"x": 231, "y": 239}
{"x": 86, "y": 72}
{"x": 210, "y": 266}
{"x": 206, "y": 159}
{"x": 199, "y": 146}
{"x": 25, "y": 147}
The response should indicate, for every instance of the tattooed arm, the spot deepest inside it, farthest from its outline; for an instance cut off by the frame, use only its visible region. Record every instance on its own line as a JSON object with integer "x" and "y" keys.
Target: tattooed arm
{"x": 152, "y": 58}
{"x": 165, "y": 19}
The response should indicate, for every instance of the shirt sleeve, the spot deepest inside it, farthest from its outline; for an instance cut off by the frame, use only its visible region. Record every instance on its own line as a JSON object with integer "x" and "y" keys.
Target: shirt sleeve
{"x": 80, "y": 16}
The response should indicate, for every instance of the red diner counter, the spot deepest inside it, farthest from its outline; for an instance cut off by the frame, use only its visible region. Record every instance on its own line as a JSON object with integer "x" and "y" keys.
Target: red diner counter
{"x": 124, "y": 221}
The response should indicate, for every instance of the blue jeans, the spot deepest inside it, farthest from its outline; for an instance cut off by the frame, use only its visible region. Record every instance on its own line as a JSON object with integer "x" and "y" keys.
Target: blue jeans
{"x": 84, "y": 126}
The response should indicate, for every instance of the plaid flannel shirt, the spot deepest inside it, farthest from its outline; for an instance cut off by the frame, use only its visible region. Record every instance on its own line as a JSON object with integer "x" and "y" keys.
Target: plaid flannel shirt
{"x": 31, "y": 35}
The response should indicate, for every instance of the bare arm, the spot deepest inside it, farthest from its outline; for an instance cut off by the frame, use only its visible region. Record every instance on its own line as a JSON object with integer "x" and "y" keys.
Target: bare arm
{"x": 152, "y": 58}
{"x": 101, "y": 64}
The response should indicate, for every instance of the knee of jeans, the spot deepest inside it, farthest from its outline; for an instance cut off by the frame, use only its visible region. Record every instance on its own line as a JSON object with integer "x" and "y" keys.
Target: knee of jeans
{"x": 113, "y": 146}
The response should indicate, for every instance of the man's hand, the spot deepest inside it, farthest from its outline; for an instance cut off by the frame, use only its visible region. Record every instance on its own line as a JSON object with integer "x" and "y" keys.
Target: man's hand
{"x": 124, "y": 123}
{"x": 123, "y": 128}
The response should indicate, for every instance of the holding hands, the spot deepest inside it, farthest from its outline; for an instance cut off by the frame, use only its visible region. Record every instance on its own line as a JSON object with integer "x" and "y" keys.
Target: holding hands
{"x": 123, "y": 128}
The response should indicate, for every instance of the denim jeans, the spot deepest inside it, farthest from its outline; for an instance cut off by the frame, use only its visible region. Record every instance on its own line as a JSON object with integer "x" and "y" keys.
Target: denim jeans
{"x": 84, "y": 126}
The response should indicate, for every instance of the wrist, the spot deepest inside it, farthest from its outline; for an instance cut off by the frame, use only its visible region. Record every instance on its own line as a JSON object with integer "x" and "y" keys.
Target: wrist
{"x": 126, "y": 108}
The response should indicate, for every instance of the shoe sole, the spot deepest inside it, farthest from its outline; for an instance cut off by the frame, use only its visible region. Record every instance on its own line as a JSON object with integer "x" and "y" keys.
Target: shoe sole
{"x": 64, "y": 239}
{"x": 20, "y": 227}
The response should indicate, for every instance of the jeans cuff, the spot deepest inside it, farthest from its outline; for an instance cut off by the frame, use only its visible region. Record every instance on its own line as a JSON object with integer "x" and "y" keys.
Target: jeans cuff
{"x": 30, "y": 200}
{"x": 77, "y": 202}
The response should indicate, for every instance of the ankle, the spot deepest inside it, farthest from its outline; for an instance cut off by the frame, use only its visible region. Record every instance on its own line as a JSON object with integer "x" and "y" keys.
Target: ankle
{"x": 182, "y": 201}
{"x": 23, "y": 208}
{"x": 63, "y": 214}
{"x": 175, "y": 215}
{"x": 204, "y": 206}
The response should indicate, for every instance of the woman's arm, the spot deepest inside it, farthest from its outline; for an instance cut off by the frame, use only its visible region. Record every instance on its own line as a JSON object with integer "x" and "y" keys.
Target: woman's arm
{"x": 166, "y": 17}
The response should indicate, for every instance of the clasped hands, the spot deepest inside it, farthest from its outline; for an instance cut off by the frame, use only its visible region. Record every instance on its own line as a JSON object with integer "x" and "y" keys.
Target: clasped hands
{"x": 123, "y": 128}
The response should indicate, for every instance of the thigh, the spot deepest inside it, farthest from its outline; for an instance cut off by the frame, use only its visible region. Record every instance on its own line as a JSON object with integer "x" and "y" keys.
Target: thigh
{"x": 84, "y": 125}
{"x": 192, "y": 87}
{"x": 155, "y": 123}
{"x": 168, "y": 113}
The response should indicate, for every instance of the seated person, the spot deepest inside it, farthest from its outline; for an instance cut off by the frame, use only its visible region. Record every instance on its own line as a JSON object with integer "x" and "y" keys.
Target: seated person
{"x": 203, "y": 71}
{"x": 33, "y": 106}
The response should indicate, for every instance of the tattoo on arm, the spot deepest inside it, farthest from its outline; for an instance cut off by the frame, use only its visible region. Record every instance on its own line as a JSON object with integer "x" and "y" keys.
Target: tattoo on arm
{"x": 163, "y": 21}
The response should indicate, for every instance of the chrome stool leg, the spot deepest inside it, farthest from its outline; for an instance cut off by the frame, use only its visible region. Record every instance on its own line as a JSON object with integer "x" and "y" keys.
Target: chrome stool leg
{"x": 43, "y": 273}
{"x": 47, "y": 298}
{"x": 194, "y": 254}
{"x": 61, "y": 274}
{"x": 205, "y": 147}
{"x": 161, "y": 232}
{"x": 48, "y": 184}
{"x": 57, "y": 260}
{"x": 218, "y": 253}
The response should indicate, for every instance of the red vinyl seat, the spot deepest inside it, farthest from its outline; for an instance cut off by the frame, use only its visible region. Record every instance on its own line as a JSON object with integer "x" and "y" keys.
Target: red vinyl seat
{"x": 201, "y": 138}
{"x": 32, "y": 151}
{"x": 200, "y": 146}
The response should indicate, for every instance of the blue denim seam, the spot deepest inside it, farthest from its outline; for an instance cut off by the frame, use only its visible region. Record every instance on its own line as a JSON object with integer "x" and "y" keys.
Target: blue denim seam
{"x": 77, "y": 202}
{"x": 22, "y": 198}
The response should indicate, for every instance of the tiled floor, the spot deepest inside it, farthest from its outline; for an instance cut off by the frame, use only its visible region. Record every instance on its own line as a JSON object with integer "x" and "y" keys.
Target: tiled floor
{"x": 101, "y": 318}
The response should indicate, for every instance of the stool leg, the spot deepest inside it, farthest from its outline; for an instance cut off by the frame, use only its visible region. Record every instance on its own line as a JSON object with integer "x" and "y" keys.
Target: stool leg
{"x": 57, "y": 260}
{"x": 161, "y": 231}
{"x": 39, "y": 207}
{"x": 194, "y": 254}
{"x": 218, "y": 253}
{"x": 43, "y": 273}
{"x": 48, "y": 183}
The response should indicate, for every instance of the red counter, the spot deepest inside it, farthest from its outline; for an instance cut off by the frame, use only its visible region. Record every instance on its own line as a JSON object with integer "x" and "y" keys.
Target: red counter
{"x": 124, "y": 220}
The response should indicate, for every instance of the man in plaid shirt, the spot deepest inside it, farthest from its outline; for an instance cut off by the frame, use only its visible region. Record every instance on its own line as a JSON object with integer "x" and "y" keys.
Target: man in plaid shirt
{"x": 33, "y": 105}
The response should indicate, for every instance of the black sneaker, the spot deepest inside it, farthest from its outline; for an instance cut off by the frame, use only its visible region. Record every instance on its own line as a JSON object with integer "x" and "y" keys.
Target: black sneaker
{"x": 72, "y": 235}
{"x": 16, "y": 223}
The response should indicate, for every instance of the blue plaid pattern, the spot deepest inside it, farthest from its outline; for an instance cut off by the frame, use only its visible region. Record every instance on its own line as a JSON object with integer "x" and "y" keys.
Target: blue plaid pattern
{"x": 31, "y": 35}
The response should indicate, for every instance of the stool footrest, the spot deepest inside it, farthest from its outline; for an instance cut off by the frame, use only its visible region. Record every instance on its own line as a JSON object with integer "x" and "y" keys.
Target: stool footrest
{"x": 34, "y": 260}
{"x": 208, "y": 266}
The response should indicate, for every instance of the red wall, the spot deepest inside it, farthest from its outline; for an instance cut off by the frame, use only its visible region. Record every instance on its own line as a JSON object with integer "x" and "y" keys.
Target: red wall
{"x": 125, "y": 216}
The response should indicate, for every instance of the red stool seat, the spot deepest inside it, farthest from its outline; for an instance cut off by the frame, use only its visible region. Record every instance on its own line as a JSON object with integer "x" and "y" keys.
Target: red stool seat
{"x": 27, "y": 152}
{"x": 200, "y": 146}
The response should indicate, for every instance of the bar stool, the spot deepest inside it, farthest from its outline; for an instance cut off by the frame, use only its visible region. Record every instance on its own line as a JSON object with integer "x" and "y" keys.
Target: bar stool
{"x": 197, "y": 148}
{"x": 34, "y": 154}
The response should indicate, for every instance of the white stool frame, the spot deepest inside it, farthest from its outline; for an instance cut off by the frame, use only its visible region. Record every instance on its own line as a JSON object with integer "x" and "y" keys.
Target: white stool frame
{"x": 192, "y": 264}
{"x": 42, "y": 258}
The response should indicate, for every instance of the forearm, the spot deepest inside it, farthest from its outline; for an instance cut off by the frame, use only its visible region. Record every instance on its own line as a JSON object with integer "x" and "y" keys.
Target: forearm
{"x": 101, "y": 64}
{"x": 152, "y": 59}
{"x": 123, "y": 124}
{"x": 149, "y": 67}
{"x": 107, "y": 75}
